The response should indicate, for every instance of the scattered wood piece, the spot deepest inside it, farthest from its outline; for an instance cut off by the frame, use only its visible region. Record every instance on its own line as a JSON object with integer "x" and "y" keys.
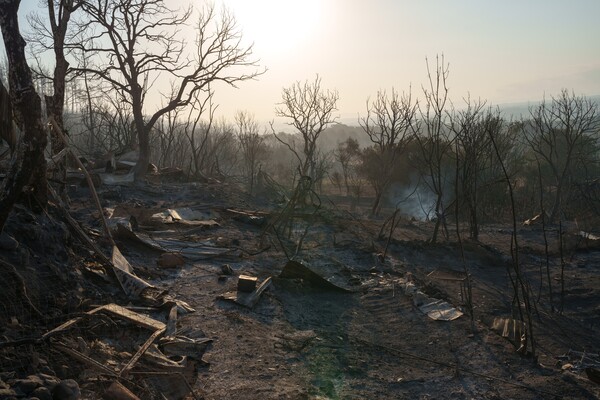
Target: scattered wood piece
{"x": 138, "y": 319}
{"x": 251, "y": 218}
{"x": 172, "y": 322}
{"x": 63, "y": 138}
{"x": 131, "y": 316}
{"x": 247, "y": 299}
{"x": 246, "y": 283}
{"x": 141, "y": 351}
{"x": 184, "y": 346}
{"x": 84, "y": 359}
{"x": 532, "y": 220}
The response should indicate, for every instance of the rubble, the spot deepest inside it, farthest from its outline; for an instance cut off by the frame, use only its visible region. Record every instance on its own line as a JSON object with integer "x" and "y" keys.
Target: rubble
{"x": 306, "y": 332}
{"x": 150, "y": 358}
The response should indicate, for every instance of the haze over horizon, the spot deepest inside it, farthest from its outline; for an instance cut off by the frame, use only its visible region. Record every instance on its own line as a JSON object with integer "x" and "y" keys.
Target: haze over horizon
{"x": 502, "y": 52}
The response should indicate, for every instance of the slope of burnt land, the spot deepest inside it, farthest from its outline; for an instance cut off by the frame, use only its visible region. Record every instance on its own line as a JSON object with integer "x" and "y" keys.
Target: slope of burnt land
{"x": 367, "y": 330}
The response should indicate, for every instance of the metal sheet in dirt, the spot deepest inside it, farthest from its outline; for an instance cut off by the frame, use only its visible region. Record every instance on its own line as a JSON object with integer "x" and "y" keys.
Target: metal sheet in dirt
{"x": 132, "y": 285}
{"x": 297, "y": 270}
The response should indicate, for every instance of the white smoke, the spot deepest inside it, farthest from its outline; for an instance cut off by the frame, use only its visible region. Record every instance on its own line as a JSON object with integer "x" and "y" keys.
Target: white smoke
{"x": 415, "y": 200}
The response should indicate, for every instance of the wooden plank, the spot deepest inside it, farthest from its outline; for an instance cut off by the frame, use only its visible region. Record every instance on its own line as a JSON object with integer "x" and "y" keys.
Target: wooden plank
{"x": 247, "y": 299}
{"x": 138, "y": 319}
{"x": 141, "y": 351}
{"x": 84, "y": 359}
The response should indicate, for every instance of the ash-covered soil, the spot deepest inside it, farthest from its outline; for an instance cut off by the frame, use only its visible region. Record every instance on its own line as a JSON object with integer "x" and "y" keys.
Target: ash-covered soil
{"x": 303, "y": 341}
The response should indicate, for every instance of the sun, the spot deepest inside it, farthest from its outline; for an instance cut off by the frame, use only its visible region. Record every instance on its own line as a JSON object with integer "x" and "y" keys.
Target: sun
{"x": 277, "y": 26}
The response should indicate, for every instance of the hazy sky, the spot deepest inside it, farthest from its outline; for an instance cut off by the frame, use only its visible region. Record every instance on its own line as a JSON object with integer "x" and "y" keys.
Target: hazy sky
{"x": 503, "y": 51}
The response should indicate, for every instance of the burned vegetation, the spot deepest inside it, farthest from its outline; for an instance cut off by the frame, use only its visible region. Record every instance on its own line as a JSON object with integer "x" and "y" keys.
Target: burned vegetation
{"x": 429, "y": 252}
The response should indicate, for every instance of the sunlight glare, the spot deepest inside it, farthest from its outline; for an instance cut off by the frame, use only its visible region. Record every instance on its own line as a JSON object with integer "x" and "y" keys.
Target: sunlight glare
{"x": 277, "y": 26}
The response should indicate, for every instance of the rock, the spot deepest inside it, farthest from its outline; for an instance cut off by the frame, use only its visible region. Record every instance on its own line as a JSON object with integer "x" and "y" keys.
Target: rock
{"x": 66, "y": 390}
{"x": 170, "y": 260}
{"x": 27, "y": 385}
{"x": 50, "y": 381}
{"x": 42, "y": 393}
{"x": 226, "y": 269}
{"x": 47, "y": 370}
{"x": 5, "y": 393}
{"x": 7, "y": 242}
{"x": 63, "y": 371}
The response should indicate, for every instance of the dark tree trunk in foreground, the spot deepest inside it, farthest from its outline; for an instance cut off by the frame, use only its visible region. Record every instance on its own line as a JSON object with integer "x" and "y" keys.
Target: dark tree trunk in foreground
{"x": 28, "y": 160}
{"x": 7, "y": 131}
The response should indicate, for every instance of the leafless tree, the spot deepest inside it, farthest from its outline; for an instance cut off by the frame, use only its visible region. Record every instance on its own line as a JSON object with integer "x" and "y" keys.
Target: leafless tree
{"x": 198, "y": 133}
{"x": 521, "y": 287}
{"x": 348, "y": 155}
{"x": 54, "y": 39}
{"x": 472, "y": 144}
{"x": 170, "y": 134}
{"x": 323, "y": 164}
{"x": 389, "y": 123}
{"x": 562, "y": 133}
{"x": 252, "y": 145}
{"x": 434, "y": 141}
{"x": 28, "y": 163}
{"x": 310, "y": 109}
{"x": 135, "y": 42}
{"x": 223, "y": 150}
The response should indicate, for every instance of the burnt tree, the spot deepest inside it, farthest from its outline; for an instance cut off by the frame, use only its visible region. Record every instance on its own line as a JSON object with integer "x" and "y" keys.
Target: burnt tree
{"x": 310, "y": 109}
{"x": 562, "y": 134}
{"x": 136, "y": 42}
{"x": 252, "y": 145}
{"x": 471, "y": 148}
{"x": 54, "y": 39}
{"x": 28, "y": 163}
{"x": 388, "y": 125}
{"x": 434, "y": 141}
{"x": 7, "y": 131}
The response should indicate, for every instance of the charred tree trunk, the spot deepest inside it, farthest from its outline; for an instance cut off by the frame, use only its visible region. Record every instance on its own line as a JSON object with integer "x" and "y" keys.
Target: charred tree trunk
{"x": 143, "y": 134}
{"x": 55, "y": 103}
{"x": 28, "y": 161}
{"x": 7, "y": 131}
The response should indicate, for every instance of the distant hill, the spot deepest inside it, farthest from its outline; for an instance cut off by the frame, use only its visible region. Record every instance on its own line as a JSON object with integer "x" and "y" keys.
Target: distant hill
{"x": 339, "y": 133}
{"x": 348, "y": 127}
{"x": 521, "y": 110}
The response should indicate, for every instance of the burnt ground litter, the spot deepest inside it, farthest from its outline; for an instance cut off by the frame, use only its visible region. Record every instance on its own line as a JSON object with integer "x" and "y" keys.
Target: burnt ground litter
{"x": 342, "y": 321}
